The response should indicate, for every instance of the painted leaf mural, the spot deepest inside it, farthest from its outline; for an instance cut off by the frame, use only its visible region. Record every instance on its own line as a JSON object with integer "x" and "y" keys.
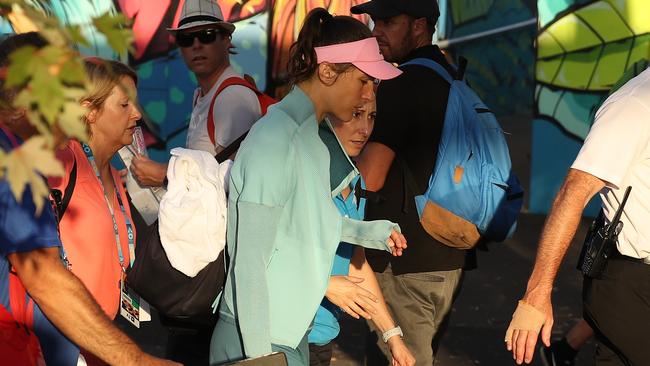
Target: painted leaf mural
{"x": 572, "y": 110}
{"x": 589, "y": 48}
{"x": 463, "y": 11}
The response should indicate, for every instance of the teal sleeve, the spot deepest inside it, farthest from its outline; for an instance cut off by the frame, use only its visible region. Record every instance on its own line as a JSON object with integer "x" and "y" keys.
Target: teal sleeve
{"x": 368, "y": 234}
{"x": 263, "y": 179}
{"x": 254, "y": 247}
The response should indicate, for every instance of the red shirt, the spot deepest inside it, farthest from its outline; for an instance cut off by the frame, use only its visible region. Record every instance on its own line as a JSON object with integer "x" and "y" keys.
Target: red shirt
{"x": 87, "y": 229}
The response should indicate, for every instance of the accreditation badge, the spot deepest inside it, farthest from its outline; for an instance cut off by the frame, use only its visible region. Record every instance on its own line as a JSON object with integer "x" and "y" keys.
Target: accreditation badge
{"x": 129, "y": 304}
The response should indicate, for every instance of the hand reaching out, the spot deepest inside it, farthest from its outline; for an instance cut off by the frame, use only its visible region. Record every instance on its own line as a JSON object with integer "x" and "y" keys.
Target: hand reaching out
{"x": 344, "y": 292}
{"x": 148, "y": 172}
{"x": 397, "y": 243}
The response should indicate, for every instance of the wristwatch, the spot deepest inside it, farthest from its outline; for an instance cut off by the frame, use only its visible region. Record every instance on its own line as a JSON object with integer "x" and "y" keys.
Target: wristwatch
{"x": 392, "y": 332}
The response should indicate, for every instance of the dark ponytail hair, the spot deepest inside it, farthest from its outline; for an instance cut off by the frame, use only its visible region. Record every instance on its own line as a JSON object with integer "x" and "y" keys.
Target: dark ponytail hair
{"x": 321, "y": 29}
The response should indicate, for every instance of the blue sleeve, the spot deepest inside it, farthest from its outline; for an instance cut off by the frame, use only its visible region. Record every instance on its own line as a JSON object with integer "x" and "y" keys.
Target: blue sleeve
{"x": 20, "y": 229}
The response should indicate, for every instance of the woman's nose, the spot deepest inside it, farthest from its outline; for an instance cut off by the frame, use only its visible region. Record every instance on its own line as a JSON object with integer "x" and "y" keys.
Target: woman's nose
{"x": 364, "y": 128}
{"x": 136, "y": 114}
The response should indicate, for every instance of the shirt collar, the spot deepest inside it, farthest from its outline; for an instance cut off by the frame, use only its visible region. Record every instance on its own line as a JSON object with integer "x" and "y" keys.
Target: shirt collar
{"x": 298, "y": 106}
{"x": 342, "y": 169}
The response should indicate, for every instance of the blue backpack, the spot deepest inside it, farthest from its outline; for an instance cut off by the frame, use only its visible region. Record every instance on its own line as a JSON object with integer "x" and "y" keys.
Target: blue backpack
{"x": 473, "y": 196}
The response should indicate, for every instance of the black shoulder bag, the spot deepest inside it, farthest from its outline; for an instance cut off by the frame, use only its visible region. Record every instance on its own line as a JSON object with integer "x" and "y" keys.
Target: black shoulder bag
{"x": 181, "y": 301}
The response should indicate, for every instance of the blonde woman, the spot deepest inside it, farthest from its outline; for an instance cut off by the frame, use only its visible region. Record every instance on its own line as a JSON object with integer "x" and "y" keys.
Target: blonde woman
{"x": 97, "y": 232}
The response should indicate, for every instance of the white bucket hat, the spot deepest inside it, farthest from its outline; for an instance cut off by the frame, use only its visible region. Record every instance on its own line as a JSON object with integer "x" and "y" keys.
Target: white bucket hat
{"x": 202, "y": 12}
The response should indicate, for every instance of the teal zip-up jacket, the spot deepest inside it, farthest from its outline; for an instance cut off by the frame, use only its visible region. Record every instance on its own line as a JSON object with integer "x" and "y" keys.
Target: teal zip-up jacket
{"x": 283, "y": 227}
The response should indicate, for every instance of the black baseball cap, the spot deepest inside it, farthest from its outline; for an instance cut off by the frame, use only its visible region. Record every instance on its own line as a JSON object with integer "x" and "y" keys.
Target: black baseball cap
{"x": 382, "y": 9}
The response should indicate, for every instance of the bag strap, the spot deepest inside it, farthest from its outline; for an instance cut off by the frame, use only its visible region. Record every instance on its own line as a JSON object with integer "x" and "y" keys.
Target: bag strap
{"x": 428, "y": 63}
{"x": 224, "y": 154}
{"x": 235, "y": 80}
{"x": 61, "y": 201}
{"x": 441, "y": 70}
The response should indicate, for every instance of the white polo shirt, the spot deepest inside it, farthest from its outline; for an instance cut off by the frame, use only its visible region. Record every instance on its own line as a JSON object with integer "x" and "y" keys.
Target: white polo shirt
{"x": 617, "y": 150}
{"x": 235, "y": 111}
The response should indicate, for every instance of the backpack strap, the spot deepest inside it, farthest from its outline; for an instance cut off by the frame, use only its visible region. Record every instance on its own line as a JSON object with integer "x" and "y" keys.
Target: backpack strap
{"x": 224, "y": 154}
{"x": 235, "y": 80}
{"x": 428, "y": 63}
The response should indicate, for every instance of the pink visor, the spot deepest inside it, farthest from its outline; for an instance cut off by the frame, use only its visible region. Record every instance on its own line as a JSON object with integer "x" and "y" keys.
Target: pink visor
{"x": 363, "y": 54}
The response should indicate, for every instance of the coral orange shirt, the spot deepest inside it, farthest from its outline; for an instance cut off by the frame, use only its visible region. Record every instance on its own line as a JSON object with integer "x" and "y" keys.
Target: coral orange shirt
{"x": 87, "y": 229}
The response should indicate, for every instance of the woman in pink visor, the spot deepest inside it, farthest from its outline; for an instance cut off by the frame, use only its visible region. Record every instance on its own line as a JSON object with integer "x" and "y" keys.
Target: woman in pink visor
{"x": 283, "y": 227}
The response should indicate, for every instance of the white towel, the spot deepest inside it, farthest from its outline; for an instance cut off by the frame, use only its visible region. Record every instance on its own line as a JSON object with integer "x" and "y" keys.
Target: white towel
{"x": 193, "y": 212}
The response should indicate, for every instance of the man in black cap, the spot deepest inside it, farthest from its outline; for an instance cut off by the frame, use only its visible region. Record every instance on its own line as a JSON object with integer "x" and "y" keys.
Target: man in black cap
{"x": 420, "y": 285}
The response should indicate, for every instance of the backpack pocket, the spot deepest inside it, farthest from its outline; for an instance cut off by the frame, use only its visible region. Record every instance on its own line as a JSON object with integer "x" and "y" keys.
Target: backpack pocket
{"x": 448, "y": 228}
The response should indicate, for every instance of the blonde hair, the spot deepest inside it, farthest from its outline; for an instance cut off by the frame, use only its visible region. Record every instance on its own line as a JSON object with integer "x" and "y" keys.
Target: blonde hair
{"x": 104, "y": 76}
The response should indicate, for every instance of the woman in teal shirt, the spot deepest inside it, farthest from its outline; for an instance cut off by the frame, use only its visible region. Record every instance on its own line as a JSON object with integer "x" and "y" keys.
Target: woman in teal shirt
{"x": 283, "y": 228}
{"x": 359, "y": 293}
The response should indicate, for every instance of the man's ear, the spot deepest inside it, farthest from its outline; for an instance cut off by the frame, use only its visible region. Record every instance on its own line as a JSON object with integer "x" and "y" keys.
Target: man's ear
{"x": 420, "y": 26}
{"x": 326, "y": 74}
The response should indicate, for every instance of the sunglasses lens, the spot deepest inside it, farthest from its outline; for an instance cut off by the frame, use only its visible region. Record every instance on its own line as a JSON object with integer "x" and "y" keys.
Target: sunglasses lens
{"x": 207, "y": 36}
{"x": 187, "y": 39}
{"x": 184, "y": 40}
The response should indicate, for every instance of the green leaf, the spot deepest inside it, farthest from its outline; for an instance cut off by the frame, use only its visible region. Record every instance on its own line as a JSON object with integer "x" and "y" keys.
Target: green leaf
{"x": 76, "y": 34}
{"x": 54, "y": 36}
{"x": 572, "y": 110}
{"x": 71, "y": 122}
{"x": 24, "y": 165}
{"x": 24, "y": 99}
{"x": 72, "y": 72}
{"x": 589, "y": 48}
{"x": 47, "y": 93}
{"x": 52, "y": 55}
{"x": 21, "y": 66}
{"x": 115, "y": 28}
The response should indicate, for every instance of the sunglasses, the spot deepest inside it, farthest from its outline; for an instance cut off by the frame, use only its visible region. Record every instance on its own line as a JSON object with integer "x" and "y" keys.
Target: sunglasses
{"x": 206, "y": 36}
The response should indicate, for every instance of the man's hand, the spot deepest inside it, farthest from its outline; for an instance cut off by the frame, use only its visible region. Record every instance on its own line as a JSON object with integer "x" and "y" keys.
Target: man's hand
{"x": 344, "y": 292}
{"x": 401, "y": 355}
{"x": 148, "y": 172}
{"x": 397, "y": 243}
{"x": 534, "y": 313}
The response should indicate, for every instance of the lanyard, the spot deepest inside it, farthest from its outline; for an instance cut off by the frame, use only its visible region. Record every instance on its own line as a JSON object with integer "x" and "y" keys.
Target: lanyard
{"x": 129, "y": 226}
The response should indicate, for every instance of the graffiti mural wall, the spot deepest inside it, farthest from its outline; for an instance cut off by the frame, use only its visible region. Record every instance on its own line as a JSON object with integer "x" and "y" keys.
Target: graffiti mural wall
{"x": 501, "y": 65}
{"x": 584, "y": 48}
{"x": 265, "y": 31}
{"x": 560, "y": 70}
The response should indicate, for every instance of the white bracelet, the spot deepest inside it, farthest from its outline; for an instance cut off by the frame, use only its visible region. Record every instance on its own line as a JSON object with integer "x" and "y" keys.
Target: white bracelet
{"x": 392, "y": 332}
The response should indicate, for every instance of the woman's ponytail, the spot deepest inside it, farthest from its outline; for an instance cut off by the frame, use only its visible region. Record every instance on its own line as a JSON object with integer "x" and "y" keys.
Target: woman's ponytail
{"x": 302, "y": 59}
